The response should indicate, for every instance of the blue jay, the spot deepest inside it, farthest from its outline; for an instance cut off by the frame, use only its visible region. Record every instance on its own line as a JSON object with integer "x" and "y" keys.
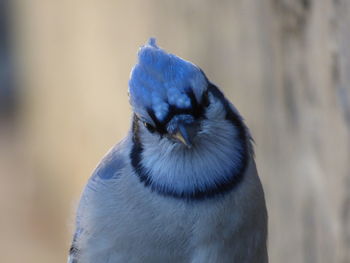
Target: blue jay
{"x": 183, "y": 185}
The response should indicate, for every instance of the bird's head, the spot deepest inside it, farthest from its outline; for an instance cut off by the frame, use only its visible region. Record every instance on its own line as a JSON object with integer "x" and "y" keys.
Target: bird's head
{"x": 188, "y": 139}
{"x": 168, "y": 94}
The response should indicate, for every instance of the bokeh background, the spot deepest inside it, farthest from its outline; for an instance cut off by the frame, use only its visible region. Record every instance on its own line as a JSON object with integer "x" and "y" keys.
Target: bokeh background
{"x": 64, "y": 69}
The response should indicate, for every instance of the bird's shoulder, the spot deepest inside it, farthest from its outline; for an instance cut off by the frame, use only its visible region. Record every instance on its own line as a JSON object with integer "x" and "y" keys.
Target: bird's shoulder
{"x": 110, "y": 167}
{"x": 104, "y": 179}
{"x": 92, "y": 204}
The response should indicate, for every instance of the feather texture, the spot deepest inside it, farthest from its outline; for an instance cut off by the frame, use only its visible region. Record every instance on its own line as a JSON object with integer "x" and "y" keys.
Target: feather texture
{"x": 161, "y": 80}
{"x": 154, "y": 199}
{"x": 221, "y": 148}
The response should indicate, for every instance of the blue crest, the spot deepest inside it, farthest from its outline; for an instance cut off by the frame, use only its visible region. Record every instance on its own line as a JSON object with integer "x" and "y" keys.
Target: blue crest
{"x": 160, "y": 79}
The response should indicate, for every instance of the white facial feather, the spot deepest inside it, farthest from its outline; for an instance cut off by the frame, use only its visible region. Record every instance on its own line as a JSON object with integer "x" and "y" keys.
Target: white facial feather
{"x": 215, "y": 152}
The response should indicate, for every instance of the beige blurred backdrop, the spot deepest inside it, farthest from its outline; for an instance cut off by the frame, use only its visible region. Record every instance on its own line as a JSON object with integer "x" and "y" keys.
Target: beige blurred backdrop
{"x": 285, "y": 64}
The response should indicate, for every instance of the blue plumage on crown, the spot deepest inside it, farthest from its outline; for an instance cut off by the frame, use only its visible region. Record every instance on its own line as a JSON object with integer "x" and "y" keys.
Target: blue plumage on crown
{"x": 160, "y": 79}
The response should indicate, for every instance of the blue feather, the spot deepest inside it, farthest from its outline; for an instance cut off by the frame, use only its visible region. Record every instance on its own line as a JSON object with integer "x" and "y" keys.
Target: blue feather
{"x": 160, "y": 80}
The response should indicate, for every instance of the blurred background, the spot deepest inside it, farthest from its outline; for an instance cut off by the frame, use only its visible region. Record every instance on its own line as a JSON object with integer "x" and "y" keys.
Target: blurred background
{"x": 64, "y": 69}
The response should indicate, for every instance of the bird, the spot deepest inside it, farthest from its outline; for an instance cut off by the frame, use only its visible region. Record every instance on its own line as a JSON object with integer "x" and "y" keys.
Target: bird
{"x": 182, "y": 186}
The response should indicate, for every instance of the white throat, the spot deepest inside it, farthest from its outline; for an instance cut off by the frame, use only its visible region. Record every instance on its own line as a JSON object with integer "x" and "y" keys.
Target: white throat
{"x": 216, "y": 156}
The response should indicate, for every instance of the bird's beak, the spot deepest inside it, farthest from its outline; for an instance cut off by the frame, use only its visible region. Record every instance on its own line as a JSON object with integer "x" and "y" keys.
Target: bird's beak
{"x": 185, "y": 134}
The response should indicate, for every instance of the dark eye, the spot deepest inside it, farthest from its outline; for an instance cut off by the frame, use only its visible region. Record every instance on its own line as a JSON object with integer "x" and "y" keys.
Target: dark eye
{"x": 149, "y": 127}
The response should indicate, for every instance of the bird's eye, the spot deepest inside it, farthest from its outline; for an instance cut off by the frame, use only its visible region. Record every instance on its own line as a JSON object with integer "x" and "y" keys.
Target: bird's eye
{"x": 149, "y": 127}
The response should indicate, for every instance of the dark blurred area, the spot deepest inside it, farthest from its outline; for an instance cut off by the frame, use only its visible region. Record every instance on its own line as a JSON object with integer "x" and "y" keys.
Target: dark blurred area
{"x": 64, "y": 69}
{"x": 8, "y": 92}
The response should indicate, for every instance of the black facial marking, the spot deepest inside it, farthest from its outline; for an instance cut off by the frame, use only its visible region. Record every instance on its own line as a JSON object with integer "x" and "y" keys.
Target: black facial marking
{"x": 205, "y": 99}
{"x": 149, "y": 127}
{"x": 220, "y": 188}
{"x": 196, "y": 110}
{"x": 194, "y": 103}
{"x": 135, "y": 154}
{"x": 160, "y": 127}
